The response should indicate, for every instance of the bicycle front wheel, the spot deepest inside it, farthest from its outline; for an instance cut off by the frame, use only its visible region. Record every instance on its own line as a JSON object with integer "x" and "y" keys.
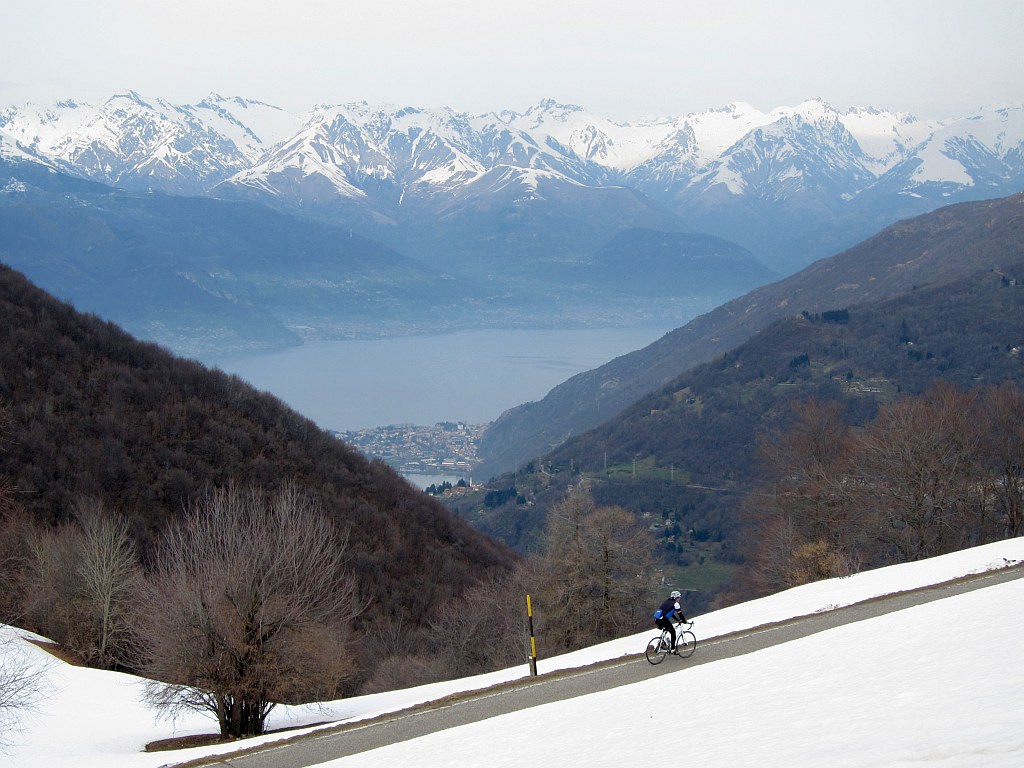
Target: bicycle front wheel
{"x": 657, "y": 649}
{"x": 686, "y": 644}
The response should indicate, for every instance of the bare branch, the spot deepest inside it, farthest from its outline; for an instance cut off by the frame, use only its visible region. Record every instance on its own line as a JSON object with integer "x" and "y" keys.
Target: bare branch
{"x": 22, "y": 685}
{"x": 249, "y": 605}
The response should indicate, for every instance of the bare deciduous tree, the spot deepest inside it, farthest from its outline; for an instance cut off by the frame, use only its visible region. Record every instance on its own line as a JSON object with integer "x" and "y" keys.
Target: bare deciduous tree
{"x": 928, "y": 475}
{"x": 594, "y": 578}
{"x": 804, "y": 527}
{"x": 557, "y": 576}
{"x": 249, "y": 605}
{"x": 1002, "y": 419}
{"x": 14, "y": 524}
{"x": 483, "y": 630}
{"x": 620, "y": 554}
{"x": 51, "y": 588}
{"x": 774, "y": 539}
{"x": 407, "y": 669}
{"x": 15, "y": 527}
{"x": 917, "y": 471}
{"x": 22, "y": 680}
{"x": 81, "y": 584}
{"x": 22, "y": 685}
{"x": 810, "y": 464}
{"x": 108, "y": 579}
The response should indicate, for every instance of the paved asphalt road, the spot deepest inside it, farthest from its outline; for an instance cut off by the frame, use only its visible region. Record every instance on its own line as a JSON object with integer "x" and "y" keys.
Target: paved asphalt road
{"x": 357, "y": 737}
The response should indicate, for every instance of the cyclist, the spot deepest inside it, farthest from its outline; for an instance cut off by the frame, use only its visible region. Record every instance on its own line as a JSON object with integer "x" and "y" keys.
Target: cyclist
{"x": 666, "y": 612}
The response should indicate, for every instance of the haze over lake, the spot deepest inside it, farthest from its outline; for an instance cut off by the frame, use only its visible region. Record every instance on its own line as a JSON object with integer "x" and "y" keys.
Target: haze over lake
{"x": 472, "y": 376}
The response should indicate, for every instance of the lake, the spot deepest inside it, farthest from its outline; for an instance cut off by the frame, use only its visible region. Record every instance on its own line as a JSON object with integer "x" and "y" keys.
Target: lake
{"x": 472, "y": 376}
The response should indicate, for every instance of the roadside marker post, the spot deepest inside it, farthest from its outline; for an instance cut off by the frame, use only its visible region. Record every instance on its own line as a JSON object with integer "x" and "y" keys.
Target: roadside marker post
{"x": 533, "y": 640}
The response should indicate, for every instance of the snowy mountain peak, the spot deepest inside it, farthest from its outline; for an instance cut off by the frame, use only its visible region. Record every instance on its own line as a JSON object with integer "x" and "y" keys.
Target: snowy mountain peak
{"x": 552, "y": 108}
{"x": 812, "y": 110}
{"x": 129, "y": 96}
{"x": 739, "y": 110}
{"x": 809, "y": 156}
{"x": 811, "y": 115}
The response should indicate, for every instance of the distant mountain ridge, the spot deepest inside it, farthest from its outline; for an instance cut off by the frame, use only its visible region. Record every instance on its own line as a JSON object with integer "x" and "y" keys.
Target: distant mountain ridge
{"x": 207, "y": 277}
{"x": 200, "y": 275}
{"x": 791, "y": 185}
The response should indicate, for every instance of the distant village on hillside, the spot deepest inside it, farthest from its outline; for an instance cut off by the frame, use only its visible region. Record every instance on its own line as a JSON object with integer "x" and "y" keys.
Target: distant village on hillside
{"x": 446, "y": 448}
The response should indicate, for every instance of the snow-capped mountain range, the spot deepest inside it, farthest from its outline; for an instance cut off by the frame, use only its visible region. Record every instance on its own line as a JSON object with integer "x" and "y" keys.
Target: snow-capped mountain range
{"x": 791, "y": 184}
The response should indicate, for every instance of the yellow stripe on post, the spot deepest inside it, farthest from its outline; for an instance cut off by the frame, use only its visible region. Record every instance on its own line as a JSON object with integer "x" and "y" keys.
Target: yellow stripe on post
{"x": 533, "y": 640}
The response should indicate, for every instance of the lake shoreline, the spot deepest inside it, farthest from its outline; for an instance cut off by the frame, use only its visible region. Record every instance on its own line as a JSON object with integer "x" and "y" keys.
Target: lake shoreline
{"x": 468, "y": 376}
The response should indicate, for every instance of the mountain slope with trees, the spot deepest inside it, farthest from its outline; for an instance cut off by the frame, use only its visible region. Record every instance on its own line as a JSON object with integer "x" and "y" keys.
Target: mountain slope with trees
{"x": 969, "y": 332}
{"x": 96, "y": 419}
{"x": 687, "y": 457}
{"x": 941, "y": 245}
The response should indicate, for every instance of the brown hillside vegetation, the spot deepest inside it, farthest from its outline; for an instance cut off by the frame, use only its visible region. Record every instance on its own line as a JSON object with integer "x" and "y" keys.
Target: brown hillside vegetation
{"x": 92, "y": 413}
{"x": 686, "y": 458}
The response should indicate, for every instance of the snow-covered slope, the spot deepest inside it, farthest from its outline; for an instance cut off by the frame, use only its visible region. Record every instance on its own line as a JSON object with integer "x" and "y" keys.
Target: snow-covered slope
{"x": 983, "y": 150}
{"x": 12, "y": 150}
{"x": 812, "y": 148}
{"x": 136, "y": 143}
{"x": 129, "y": 139}
{"x": 362, "y": 151}
{"x": 932, "y": 685}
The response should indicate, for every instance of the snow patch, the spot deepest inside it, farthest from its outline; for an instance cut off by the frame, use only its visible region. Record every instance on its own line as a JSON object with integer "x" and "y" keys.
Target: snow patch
{"x": 878, "y": 692}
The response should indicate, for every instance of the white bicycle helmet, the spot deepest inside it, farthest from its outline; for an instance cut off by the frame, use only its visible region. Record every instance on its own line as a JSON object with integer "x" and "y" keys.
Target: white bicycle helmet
{"x": 676, "y": 594}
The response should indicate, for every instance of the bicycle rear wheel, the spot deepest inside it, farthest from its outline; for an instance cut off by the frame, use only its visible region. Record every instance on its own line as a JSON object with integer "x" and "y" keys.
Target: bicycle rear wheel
{"x": 657, "y": 649}
{"x": 686, "y": 644}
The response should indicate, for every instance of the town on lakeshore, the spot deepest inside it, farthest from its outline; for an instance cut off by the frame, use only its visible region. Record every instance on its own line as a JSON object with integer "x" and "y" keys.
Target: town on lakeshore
{"x": 446, "y": 448}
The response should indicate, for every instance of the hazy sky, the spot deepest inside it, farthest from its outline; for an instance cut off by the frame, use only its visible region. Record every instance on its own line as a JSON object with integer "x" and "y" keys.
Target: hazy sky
{"x": 621, "y": 59}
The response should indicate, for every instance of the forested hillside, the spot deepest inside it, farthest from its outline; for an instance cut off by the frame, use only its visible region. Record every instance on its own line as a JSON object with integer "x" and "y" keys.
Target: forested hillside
{"x": 687, "y": 458}
{"x": 94, "y": 418}
{"x": 953, "y": 241}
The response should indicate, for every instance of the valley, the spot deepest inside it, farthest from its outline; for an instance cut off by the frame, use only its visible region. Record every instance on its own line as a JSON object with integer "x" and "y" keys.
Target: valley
{"x": 477, "y": 275}
{"x": 371, "y": 372}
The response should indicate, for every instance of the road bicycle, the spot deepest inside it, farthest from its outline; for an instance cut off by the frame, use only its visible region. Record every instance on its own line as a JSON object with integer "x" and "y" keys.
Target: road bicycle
{"x": 661, "y": 645}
